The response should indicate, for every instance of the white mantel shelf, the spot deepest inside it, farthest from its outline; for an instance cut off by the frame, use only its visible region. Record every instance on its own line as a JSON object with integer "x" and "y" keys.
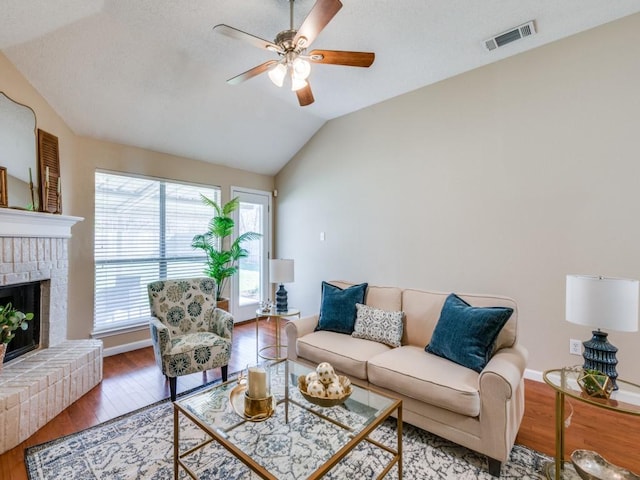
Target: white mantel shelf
{"x": 24, "y": 223}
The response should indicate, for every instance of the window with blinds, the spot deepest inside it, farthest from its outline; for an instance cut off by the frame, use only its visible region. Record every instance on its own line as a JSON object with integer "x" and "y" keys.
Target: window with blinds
{"x": 143, "y": 233}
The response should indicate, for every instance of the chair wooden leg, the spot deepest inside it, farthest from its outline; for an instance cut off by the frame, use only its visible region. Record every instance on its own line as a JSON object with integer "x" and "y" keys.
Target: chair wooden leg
{"x": 494, "y": 467}
{"x": 172, "y": 388}
{"x": 225, "y": 372}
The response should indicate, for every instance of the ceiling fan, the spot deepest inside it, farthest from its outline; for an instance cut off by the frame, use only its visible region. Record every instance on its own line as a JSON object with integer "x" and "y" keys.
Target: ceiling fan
{"x": 291, "y": 46}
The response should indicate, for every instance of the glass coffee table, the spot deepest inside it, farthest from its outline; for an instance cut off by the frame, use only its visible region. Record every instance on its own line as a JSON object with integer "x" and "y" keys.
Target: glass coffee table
{"x": 299, "y": 440}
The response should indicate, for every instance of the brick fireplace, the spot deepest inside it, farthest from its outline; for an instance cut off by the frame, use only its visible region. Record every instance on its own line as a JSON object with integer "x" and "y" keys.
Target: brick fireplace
{"x": 38, "y": 385}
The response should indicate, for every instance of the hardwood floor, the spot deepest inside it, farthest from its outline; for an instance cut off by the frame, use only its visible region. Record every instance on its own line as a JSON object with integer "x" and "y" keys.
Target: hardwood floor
{"x": 132, "y": 380}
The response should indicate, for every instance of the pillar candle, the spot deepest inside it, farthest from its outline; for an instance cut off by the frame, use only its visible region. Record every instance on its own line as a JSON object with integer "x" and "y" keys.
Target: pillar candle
{"x": 257, "y": 382}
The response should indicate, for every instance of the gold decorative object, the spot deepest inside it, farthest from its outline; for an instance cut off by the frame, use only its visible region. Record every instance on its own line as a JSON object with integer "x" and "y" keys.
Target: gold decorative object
{"x": 595, "y": 384}
{"x": 591, "y": 466}
{"x": 238, "y": 399}
{"x": 257, "y": 407}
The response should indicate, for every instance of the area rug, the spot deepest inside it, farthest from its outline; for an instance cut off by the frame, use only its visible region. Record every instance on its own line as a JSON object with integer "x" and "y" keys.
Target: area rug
{"x": 139, "y": 445}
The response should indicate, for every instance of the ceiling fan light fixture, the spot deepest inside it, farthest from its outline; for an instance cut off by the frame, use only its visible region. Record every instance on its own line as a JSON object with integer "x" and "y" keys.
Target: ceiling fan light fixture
{"x": 301, "y": 68}
{"x": 297, "y": 83}
{"x": 277, "y": 74}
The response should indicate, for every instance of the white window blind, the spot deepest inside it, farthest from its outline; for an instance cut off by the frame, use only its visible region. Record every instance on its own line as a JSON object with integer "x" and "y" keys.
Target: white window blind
{"x": 143, "y": 233}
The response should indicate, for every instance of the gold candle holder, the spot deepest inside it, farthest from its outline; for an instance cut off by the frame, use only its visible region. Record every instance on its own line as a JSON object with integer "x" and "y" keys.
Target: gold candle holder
{"x": 257, "y": 407}
{"x": 258, "y": 402}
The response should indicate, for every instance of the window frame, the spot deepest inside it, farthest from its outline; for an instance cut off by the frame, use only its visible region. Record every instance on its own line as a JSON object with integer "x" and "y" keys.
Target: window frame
{"x": 104, "y": 328}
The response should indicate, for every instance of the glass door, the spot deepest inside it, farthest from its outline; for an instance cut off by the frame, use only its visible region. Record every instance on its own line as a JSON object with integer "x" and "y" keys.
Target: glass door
{"x": 251, "y": 284}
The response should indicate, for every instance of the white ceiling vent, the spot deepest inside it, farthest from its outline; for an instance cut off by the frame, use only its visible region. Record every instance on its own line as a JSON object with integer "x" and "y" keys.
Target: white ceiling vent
{"x": 509, "y": 36}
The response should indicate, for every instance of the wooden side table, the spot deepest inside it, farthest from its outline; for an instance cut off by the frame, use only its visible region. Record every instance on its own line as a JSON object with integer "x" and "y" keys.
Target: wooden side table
{"x": 564, "y": 381}
{"x": 292, "y": 312}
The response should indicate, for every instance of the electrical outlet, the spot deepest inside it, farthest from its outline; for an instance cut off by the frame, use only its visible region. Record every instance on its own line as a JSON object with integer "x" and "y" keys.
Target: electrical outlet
{"x": 575, "y": 347}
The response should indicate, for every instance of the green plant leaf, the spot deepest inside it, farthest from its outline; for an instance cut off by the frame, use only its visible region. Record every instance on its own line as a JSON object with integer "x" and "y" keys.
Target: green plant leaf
{"x": 221, "y": 263}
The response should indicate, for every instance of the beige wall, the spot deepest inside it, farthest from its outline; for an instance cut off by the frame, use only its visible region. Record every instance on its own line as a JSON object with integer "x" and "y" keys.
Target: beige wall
{"x": 501, "y": 180}
{"x": 79, "y": 158}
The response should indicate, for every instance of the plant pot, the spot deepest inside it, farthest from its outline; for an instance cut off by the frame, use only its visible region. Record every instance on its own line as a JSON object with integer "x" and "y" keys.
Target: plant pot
{"x": 223, "y": 304}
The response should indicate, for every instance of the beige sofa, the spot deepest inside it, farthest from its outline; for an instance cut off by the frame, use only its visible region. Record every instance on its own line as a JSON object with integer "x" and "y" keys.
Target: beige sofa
{"x": 481, "y": 411}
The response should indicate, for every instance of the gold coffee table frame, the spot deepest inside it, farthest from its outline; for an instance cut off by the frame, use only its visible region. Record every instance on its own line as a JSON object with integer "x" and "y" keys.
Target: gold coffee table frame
{"x": 221, "y": 435}
{"x": 564, "y": 381}
{"x": 292, "y": 312}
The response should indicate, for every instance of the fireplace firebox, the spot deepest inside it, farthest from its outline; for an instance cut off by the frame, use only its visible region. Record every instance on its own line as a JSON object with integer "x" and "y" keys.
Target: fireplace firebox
{"x": 26, "y": 298}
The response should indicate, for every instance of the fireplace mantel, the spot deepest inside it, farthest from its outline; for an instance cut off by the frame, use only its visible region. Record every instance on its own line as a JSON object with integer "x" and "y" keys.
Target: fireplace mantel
{"x": 24, "y": 223}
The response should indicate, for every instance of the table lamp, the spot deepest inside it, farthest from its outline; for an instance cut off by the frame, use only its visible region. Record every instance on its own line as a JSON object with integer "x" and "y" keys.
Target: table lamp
{"x": 281, "y": 271}
{"x": 610, "y": 303}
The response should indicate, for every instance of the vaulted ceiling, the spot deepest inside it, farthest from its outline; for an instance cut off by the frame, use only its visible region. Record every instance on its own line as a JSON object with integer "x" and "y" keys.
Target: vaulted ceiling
{"x": 152, "y": 73}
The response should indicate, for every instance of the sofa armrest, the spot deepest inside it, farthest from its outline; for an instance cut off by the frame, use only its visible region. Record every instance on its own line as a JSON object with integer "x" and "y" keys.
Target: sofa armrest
{"x": 221, "y": 323}
{"x": 502, "y": 401}
{"x": 504, "y": 372}
{"x": 297, "y": 328}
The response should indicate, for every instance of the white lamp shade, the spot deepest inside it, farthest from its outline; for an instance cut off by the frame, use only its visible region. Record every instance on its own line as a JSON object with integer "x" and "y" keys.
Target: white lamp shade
{"x": 277, "y": 74}
{"x": 301, "y": 69}
{"x": 281, "y": 271}
{"x": 607, "y": 303}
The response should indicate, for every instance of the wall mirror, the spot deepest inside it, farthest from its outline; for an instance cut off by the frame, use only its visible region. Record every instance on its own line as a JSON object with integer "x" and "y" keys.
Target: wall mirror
{"x": 18, "y": 152}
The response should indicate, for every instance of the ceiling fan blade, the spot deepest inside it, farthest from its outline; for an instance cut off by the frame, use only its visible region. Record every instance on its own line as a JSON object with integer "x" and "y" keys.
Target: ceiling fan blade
{"x": 318, "y": 18}
{"x": 246, "y": 37}
{"x": 305, "y": 96}
{"x": 263, "y": 67}
{"x": 339, "y": 57}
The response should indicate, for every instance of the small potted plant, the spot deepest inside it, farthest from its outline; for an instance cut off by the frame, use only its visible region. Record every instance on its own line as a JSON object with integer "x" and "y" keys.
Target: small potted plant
{"x": 10, "y": 320}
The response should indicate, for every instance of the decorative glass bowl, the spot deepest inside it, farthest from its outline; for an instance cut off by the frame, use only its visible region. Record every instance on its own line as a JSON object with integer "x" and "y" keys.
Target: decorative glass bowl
{"x": 591, "y": 466}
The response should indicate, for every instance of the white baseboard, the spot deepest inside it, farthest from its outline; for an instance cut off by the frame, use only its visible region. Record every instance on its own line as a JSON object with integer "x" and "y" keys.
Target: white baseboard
{"x": 533, "y": 375}
{"x": 127, "y": 347}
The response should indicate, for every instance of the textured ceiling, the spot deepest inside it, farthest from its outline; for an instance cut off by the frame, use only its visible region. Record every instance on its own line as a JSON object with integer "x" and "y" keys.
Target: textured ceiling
{"x": 151, "y": 73}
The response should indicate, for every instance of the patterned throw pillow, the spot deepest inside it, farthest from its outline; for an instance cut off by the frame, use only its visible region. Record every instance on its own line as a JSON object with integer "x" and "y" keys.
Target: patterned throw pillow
{"x": 378, "y": 325}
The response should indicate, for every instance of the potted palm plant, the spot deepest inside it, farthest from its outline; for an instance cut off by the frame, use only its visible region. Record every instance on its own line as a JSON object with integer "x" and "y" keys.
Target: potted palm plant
{"x": 222, "y": 257}
{"x": 10, "y": 320}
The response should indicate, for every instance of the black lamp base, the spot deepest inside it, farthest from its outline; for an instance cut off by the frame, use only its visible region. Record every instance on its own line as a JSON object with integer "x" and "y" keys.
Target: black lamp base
{"x": 600, "y": 355}
{"x": 281, "y": 300}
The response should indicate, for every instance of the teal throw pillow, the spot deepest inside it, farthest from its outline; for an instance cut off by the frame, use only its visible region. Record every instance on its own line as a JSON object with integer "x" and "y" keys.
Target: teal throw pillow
{"x": 466, "y": 335}
{"x": 338, "y": 307}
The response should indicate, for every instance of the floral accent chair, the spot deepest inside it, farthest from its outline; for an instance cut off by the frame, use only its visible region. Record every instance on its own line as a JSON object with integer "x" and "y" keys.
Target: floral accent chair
{"x": 188, "y": 332}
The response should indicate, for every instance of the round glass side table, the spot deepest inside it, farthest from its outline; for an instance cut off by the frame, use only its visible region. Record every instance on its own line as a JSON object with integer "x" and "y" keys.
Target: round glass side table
{"x": 565, "y": 382}
{"x": 292, "y": 312}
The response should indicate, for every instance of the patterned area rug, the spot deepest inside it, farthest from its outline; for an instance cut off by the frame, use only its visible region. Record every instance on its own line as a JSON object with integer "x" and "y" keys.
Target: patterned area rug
{"x": 139, "y": 445}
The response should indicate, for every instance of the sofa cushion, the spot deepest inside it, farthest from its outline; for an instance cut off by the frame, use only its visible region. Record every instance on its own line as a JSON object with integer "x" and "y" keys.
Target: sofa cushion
{"x": 412, "y": 372}
{"x": 385, "y": 298}
{"x": 422, "y": 310}
{"x": 338, "y": 307}
{"x": 465, "y": 334}
{"x": 348, "y": 355}
{"x": 378, "y": 325}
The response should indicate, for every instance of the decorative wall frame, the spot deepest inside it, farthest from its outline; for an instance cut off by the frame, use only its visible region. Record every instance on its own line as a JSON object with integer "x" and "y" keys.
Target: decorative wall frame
{"x": 49, "y": 172}
{"x": 4, "y": 198}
